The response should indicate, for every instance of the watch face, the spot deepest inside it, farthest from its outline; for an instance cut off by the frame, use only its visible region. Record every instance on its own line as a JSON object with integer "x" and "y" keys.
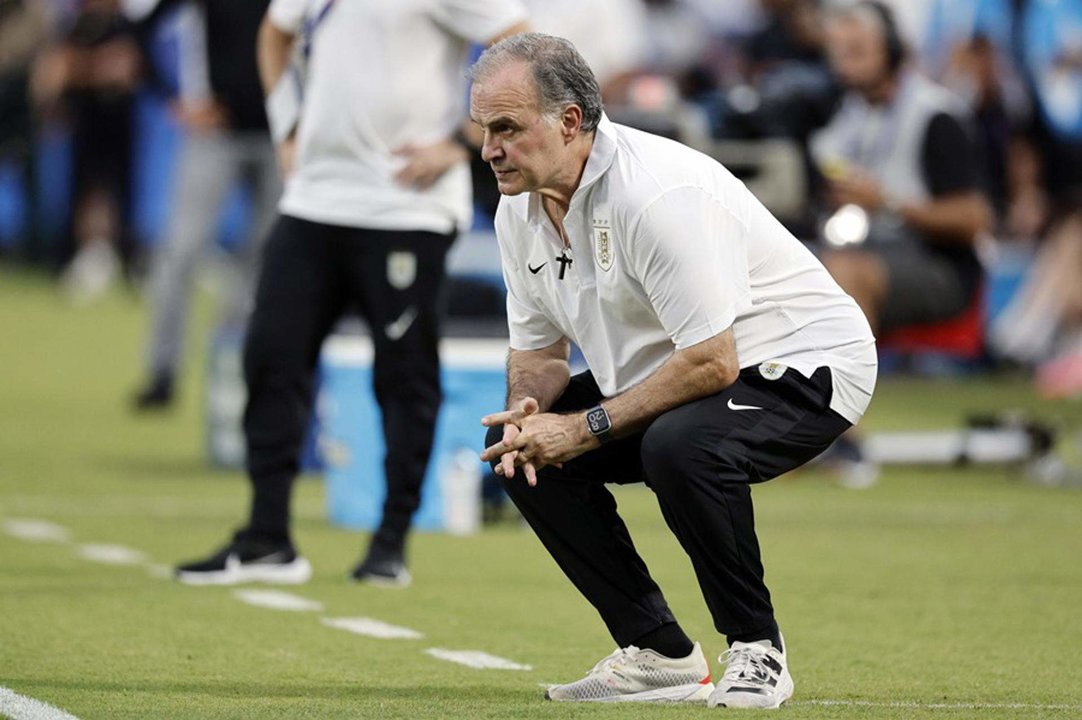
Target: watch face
{"x": 598, "y": 421}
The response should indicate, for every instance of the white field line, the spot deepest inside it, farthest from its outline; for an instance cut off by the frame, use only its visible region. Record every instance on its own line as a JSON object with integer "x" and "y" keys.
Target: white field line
{"x": 912, "y": 705}
{"x": 372, "y": 628}
{"x": 111, "y": 554}
{"x": 476, "y": 659}
{"x": 43, "y": 531}
{"x": 277, "y": 600}
{"x": 19, "y": 707}
{"x": 34, "y": 530}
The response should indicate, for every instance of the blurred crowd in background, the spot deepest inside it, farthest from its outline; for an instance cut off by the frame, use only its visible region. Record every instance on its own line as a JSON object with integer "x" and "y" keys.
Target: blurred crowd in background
{"x": 106, "y": 105}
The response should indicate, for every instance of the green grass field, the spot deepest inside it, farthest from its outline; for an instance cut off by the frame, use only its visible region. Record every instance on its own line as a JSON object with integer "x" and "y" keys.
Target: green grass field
{"x": 954, "y": 594}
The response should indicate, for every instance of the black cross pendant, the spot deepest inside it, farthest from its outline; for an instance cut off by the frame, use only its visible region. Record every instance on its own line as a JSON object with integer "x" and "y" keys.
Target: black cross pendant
{"x": 564, "y": 261}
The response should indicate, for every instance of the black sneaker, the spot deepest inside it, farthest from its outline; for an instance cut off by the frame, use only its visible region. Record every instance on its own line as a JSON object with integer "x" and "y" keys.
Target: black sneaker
{"x": 247, "y": 559}
{"x": 383, "y": 566}
{"x": 157, "y": 395}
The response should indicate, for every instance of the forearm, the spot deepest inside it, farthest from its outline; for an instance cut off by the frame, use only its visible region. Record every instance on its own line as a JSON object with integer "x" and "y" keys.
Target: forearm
{"x": 538, "y": 439}
{"x": 540, "y": 374}
{"x": 272, "y": 53}
{"x": 949, "y": 221}
{"x": 517, "y": 28}
{"x": 690, "y": 374}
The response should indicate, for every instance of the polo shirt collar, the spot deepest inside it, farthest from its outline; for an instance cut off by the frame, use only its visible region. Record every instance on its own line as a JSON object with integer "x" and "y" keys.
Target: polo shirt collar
{"x": 602, "y": 156}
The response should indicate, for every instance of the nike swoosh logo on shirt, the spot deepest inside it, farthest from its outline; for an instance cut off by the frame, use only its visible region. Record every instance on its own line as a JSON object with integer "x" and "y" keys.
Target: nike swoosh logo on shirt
{"x": 734, "y": 406}
{"x": 395, "y": 330}
{"x": 537, "y": 269}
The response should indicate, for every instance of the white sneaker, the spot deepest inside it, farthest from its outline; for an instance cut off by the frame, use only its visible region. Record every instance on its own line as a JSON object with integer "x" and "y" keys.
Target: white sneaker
{"x": 756, "y": 676}
{"x": 246, "y": 560}
{"x": 91, "y": 272}
{"x": 634, "y": 675}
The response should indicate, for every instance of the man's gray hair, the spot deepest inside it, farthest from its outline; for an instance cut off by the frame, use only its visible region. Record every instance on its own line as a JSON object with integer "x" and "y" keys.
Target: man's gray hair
{"x": 562, "y": 77}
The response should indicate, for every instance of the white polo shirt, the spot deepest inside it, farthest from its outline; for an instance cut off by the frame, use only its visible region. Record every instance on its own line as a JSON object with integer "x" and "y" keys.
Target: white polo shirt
{"x": 381, "y": 74}
{"x": 668, "y": 249}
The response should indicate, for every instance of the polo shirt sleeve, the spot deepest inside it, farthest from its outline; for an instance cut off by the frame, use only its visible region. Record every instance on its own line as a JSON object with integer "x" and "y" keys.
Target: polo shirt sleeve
{"x": 288, "y": 15}
{"x": 479, "y": 20}
{"x": 690, "y": 254}
{"x": 528, "y": 326}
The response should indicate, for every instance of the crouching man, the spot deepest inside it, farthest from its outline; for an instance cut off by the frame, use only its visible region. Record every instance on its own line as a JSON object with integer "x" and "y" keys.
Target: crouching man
{"x": 721, "y": 354}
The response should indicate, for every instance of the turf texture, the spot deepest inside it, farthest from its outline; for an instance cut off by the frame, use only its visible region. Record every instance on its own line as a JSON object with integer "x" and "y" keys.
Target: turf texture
{"x": 950, "y": 593}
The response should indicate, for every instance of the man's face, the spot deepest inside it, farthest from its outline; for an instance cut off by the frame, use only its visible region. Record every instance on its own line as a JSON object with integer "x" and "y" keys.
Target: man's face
{"x": 857, "y": 53}
{"x": 524, "y": 148}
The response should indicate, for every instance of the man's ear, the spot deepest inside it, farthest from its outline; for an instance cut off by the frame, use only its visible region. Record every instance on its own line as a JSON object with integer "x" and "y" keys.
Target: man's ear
{"x": 571, "y": 122}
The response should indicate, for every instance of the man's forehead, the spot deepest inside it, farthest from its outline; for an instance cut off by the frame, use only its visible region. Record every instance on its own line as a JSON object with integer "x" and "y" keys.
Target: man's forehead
{"x": 510, "y": 88}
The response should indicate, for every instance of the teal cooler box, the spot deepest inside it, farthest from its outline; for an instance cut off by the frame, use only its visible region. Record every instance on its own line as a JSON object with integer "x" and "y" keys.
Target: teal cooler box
{"x": 473, "y": 377}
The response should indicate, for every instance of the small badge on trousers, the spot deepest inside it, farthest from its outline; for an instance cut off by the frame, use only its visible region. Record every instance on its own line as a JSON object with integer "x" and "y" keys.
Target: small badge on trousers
{"x": 401, "y": 269}
{"x": 772, "y": 370}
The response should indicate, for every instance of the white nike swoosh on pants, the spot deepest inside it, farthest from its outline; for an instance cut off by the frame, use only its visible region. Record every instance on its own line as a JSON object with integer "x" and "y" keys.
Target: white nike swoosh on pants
{"x": 395, "y": 330}
{"x": 734, "y": 406}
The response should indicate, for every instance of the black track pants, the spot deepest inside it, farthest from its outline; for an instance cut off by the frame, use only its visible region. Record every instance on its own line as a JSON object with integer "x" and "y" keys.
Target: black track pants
{"x": 312, "y": 274}
{"x": 700, "y": 460}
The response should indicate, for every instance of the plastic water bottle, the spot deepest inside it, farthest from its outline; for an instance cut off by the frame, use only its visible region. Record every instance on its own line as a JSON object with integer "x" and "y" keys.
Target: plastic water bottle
{"x": 461, "y": 488}
{"x": 225, "y": 398}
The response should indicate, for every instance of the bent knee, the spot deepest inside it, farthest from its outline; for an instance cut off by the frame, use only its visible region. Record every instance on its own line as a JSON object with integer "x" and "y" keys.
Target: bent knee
{"x": 668, "y": 447}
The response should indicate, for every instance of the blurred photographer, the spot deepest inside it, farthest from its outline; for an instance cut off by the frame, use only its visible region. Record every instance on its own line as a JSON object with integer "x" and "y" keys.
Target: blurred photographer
{"x": 902, "y": 176}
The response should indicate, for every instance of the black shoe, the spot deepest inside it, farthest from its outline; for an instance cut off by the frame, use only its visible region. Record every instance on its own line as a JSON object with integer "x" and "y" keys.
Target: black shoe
{"x": 157, "y": 395}
{"x": 383, "y": 566}
{"x": 248, "y": 559}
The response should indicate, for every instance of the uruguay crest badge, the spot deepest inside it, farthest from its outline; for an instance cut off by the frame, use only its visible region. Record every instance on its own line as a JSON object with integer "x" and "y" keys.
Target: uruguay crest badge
{"x": 401, "y": 269}
{"x": 603, "y": 247}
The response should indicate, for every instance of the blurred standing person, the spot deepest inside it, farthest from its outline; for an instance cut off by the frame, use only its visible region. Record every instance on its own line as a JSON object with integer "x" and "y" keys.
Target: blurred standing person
{"x": 226, "y": 141}
{"x": 377, "y": 188}
{"x": 90, "y": 79}
{"x": 901, "y": 156}
{"x": 24, "y": 29}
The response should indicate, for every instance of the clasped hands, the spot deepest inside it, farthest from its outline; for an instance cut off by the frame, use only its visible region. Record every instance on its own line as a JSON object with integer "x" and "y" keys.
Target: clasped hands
{"x": 533, "y": 440}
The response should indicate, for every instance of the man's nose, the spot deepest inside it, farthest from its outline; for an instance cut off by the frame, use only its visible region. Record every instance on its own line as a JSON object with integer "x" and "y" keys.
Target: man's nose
{"x": 490, "y": 150}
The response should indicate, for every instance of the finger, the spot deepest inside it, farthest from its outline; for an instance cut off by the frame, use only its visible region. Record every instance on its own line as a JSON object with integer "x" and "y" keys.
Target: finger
{"x": 409, "y": 174}
{"x": 500, "y": 418}
{"x": 508, "y": 464}
{"x": 510, "y": 432}
{"x": 424, "y": 181}
{"x": 498, "y": 470}
{"x": 529, "y": 406}
{"x": 531, "y": 474}
{"x": 493, "y": 452}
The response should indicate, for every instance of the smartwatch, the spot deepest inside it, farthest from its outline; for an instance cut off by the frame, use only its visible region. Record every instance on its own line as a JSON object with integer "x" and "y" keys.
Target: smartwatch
{"x": 599, "y": 424}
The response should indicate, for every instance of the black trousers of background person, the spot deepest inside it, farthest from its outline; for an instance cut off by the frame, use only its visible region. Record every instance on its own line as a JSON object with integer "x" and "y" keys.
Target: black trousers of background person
{"x": 311, "y": 275}
{"x": 700, "y": 460}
